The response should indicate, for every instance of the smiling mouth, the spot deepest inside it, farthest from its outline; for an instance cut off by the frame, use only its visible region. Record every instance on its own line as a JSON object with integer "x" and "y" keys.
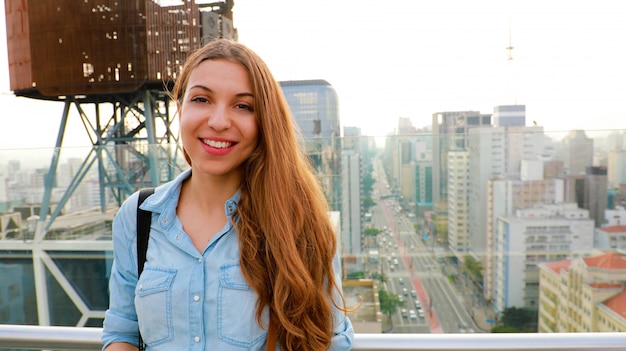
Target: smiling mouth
{"x": 217, "y": 144}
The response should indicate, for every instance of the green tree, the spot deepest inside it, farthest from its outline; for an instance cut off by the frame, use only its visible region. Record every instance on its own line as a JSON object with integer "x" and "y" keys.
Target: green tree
{"x": 368, "y": 203}
{"x": 504, "y": 329}
{"x": 389, "y": 303}
{"x": 367, "y": 183}
{"x": 371, "y": 231}
{"x": 523, "y": 319}
{"x": 356, "y": 275}
{"x": 473, "y": 267}
{"x": 382, "y": 278}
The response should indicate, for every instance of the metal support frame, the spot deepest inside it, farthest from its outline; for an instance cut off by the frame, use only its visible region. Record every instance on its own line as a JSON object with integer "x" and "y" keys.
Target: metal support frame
{"x": 131, "y": 131}
{"x": 134, "y": 147}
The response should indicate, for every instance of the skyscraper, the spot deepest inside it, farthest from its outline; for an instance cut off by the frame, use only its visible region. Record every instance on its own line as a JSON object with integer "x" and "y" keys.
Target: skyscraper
{"x": 509, "y": 116}
{"x": 314, "y": 106}
{"x": 450, "y": 132}
{"x": 578, "y": 153}
{"x": 458, "y": 204}
{"x": 351, "y": 208}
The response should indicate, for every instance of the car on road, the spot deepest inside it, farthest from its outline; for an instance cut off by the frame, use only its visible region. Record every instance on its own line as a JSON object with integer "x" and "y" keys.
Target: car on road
{"x": 413, "y": 294}
{"x": 404, "y": 313}
{"x": 401, "y": 281}
{"x": 412, "y": 314}
{"x": 420, "y": 312}
{"x": 418, "y": 304}
{"x": 405, "y": 292}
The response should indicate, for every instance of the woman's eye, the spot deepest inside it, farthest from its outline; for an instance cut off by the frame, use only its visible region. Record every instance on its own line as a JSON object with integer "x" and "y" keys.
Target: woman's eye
{"x": 199, "y": 99}
{"x": 245, "y": 107}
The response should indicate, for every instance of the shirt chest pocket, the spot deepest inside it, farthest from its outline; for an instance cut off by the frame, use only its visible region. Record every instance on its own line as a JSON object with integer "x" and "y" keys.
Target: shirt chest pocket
{"x": 236, "y": 310}
{"x": 153, "y": 302}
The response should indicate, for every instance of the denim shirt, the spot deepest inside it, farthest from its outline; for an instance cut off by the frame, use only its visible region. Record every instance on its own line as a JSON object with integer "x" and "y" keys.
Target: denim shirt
{"x": 186, "y": 300}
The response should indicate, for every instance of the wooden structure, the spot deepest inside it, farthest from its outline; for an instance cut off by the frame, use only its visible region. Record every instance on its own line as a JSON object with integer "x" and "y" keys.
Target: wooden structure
{"x": 104, "y": 48}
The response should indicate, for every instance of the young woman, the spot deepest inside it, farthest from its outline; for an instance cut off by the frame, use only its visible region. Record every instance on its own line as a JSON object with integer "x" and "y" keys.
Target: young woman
{"x": 241, "y": 237}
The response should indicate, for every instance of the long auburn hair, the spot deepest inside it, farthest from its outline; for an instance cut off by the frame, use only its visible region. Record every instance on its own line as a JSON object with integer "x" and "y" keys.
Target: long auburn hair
{"x": 286, "y": 240}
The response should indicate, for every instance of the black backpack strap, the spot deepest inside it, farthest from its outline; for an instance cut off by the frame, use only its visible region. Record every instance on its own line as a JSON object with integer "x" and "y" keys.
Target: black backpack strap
{"x": 144, "y": 219}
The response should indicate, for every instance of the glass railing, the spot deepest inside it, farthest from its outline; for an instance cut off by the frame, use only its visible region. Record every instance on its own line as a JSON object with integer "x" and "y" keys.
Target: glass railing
{"x": 88, "y": 339}
{"x": 458, "y": 235}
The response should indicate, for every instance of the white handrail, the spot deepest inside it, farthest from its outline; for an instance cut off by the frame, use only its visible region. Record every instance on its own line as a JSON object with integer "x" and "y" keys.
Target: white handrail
{"x": 73, "y": 338}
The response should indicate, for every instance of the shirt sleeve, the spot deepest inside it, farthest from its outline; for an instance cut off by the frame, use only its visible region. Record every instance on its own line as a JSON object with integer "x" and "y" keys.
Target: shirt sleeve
{"x": 120, "y": 321}
{"x": 344, "y": 332}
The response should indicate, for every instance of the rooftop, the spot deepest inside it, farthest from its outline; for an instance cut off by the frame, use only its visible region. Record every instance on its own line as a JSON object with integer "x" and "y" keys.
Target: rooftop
{"x": 611, "y": 261}
{"x": 617, "y": 304}
{"x": 558, "y": 266}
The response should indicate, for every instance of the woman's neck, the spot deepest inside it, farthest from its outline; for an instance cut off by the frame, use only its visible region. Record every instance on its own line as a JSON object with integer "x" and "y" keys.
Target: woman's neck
{"x": 209, "y": 191}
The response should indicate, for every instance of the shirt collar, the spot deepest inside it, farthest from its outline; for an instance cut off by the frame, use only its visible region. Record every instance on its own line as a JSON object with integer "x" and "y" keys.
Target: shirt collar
{"x": 167, "y": 195}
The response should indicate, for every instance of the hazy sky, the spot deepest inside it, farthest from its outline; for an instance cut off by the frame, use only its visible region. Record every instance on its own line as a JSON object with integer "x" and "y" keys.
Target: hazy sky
{"x": 408, "y": 58}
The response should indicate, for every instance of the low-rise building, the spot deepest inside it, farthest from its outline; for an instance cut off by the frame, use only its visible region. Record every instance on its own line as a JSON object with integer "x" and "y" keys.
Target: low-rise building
{"x": 362, "y": 295}
{"x": 585, "y": 294}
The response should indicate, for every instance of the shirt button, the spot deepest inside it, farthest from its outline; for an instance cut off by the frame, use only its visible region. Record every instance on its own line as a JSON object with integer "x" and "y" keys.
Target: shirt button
{"x": 196, "y": 339}
{"x": 196, "y": 298}
{"x": 164, "y": 222}
{"x": 200, "y": 260}
{"x": 177, "y": 237}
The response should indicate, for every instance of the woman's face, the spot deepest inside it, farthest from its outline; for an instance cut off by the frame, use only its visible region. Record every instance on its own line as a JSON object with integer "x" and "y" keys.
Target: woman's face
{"x": 217, "y": 118}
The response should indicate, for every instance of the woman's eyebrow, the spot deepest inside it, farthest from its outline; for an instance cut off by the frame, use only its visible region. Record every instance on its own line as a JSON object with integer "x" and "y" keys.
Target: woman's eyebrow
{"x": 200, "y": 86}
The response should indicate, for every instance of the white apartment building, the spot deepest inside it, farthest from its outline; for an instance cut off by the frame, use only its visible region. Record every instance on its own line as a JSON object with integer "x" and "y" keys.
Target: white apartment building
{"x": 610, "y": 238}
{"x": 510, "y": 152}
{"x": 504, "y": 196}
{"x": 458, "y": 202}
{"x": 531, "y": 236}
{"x": 615, "y": 216}
{"x": 487, "y": 150}
{"x": 351, "y": 208}
{"x": 450, "y": 131}
{"x": 523, "y": 144}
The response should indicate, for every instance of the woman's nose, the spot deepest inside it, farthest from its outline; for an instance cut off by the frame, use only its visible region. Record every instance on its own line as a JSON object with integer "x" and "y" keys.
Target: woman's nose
{"x": 219, "y": 118}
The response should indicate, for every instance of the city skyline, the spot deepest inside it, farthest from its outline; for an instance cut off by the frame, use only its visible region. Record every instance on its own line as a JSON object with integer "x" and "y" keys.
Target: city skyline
{"x": 413, "y": 59}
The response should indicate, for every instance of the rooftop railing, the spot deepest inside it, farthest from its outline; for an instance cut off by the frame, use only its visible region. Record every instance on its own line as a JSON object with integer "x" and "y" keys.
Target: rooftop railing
{"x": 73, "y": 338}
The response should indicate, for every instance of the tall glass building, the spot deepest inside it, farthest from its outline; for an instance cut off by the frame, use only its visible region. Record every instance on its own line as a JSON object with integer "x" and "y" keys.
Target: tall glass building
{"x": 314, "y": 106}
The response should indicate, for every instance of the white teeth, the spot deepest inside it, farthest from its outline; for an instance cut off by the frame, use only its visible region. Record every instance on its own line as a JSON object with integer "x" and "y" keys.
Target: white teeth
{"x": 217, "y": 144}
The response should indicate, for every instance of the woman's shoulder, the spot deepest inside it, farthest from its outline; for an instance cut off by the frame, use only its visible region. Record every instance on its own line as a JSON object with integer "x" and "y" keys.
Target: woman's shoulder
{"x": 164, "y": 195}
{"x": 129, "y": 204}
